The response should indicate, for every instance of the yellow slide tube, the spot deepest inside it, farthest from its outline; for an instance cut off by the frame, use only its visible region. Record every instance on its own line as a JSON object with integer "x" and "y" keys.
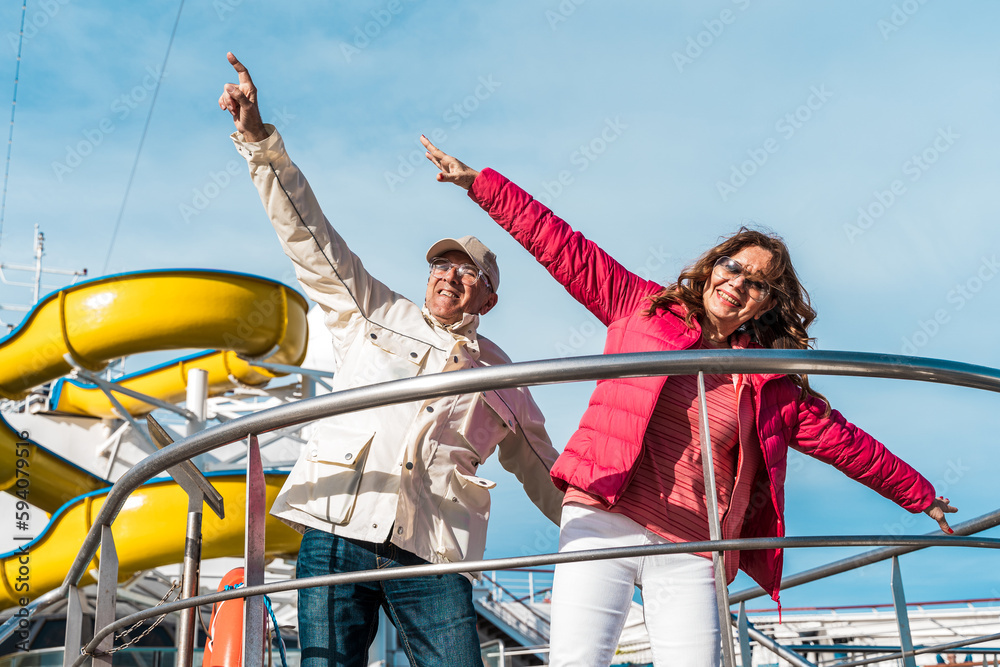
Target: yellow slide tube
{"x": 167, "y": 382}
{"x": 148, "y": 532}
{"x": 46, "y": 480}
{"x": 132, "y": 313}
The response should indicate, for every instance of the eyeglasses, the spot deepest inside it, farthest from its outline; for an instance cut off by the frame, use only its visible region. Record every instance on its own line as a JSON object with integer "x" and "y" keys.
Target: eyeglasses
{"x": 730, "y": 269}
{"x": 469, "y": 274}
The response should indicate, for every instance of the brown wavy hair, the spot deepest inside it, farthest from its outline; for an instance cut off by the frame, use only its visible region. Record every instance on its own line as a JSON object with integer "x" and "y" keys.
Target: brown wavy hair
{"x": 784, "y": 326}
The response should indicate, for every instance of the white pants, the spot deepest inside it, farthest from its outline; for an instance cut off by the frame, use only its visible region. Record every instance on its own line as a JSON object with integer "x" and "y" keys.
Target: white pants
{"x": 591, "y": 600}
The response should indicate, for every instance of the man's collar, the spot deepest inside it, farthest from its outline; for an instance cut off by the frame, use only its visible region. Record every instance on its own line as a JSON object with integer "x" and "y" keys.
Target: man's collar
{"x": 464, "y": 328}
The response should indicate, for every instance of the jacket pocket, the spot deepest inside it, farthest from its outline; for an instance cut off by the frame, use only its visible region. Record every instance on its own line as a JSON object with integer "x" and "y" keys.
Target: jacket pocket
{"x": 390, "y": 356}
{"x": 339, "y": 445}
{"x": 462, "y": 517}
{"x": 335, "y": 464}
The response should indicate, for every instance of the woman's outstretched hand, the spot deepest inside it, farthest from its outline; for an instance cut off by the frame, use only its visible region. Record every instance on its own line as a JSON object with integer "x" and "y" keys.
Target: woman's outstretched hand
{"x": 452, "y": 170}
{"x": 937, "y": 511}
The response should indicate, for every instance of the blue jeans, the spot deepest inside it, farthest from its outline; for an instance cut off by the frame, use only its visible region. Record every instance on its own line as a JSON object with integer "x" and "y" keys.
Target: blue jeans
{"x": 434, "y": 615}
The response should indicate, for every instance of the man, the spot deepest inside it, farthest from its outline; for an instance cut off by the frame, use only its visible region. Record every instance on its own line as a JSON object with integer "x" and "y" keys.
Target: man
{"x": 395, "y": 485}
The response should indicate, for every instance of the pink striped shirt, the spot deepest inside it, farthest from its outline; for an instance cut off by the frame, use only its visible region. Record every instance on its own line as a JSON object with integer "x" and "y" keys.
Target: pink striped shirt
{"x": 667, "y": 492}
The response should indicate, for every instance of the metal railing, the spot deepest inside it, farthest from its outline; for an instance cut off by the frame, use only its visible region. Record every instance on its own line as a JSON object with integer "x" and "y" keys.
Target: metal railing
{"x": 501, "y": 377}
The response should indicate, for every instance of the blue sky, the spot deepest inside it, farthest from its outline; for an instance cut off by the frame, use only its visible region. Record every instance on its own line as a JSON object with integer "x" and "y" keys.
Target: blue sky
{"x": 668, "y": 125}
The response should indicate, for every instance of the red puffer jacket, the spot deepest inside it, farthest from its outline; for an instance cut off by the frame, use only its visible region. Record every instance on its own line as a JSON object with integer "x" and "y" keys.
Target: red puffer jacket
{"x": 601, "y": 456}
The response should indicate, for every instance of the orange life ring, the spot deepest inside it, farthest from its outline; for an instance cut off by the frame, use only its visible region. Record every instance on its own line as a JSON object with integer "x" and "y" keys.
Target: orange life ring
{"x": 224, "y": 647}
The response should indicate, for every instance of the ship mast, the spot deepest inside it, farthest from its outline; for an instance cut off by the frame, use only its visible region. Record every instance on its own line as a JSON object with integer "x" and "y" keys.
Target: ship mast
{"x": 37, "y": 270}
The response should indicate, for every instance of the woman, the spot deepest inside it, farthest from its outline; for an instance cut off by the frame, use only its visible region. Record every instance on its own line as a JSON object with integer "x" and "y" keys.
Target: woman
{"x": 632, "y": 471}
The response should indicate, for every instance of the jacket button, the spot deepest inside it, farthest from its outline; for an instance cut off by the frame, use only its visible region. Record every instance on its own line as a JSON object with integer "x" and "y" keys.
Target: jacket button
{"x": 430, "y": 409}
{"x": 413, "y": 354}
{"x": 373, "y": 336}
{"x": 454, "y": 499}
{"x": 348, "y": 456}
{"x": 399, "y": 531}
{"x": 374, "y": 525}
{"x": 409, "y": 465}
{"x": 455, "y": 359}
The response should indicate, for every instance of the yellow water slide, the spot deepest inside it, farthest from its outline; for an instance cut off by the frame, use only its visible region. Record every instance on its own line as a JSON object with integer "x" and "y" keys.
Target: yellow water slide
{"x": 148, "y": 532}
{"x": 131, "y": 313}
{"x": 91, "y": 323}
{"x": 167, "y": 382}
{"x": 44, "y": 478}
{"x": 99, "y": 320}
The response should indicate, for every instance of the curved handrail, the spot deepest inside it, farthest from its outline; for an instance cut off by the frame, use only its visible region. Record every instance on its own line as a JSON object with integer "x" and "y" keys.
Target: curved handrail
{"x": 531, "y": 373}
{"x": 410, "y": 571}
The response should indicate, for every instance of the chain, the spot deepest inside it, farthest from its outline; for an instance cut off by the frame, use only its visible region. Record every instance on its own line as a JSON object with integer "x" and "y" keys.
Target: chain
{"x": 174, "y": 585}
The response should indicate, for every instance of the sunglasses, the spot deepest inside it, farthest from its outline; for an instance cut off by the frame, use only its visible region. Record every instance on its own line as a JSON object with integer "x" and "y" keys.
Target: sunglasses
{"x": 729, "y": 269}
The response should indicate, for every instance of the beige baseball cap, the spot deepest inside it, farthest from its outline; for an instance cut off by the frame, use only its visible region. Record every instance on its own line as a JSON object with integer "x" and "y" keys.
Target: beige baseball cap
{"x": 480, "y": 255}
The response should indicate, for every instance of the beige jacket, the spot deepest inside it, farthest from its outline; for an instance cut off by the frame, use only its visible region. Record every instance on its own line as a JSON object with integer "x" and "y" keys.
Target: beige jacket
{"x": 409, "y": 469}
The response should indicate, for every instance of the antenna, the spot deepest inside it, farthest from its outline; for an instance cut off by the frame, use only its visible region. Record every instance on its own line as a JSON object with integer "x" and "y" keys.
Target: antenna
{"x": 39, "y": 251}
{"x": 37, "y": 270}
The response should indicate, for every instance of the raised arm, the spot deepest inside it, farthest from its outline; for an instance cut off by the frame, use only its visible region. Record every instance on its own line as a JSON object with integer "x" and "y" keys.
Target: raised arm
{"x": 331, "y": 274}
{"x": 590, "y": 275}
{"x": 861, "y": 457}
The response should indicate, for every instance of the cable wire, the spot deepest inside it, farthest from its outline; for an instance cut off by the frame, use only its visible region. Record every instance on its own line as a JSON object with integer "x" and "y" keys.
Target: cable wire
{"x": 13, "y": 108}
{"x": 142, "y": 140}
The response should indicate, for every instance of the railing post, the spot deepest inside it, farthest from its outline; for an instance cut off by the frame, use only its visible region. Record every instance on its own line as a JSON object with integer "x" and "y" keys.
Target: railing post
{"x": 199, "y": 492}
{"x": 107, "y": 595}
{"x": 777, "y": 649}
{"x": 746, "y": 657}
{"x": 253, "y": 565}
{"x": 308, "y": 386}
{"x": 902, "y": 619}
{"x": 190, "y": 580}
{"x": 197, "y": 400}
{"x": 74, "y": 626}
{"x": 715, "y": 528}
{"x": 197, "y": 404}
